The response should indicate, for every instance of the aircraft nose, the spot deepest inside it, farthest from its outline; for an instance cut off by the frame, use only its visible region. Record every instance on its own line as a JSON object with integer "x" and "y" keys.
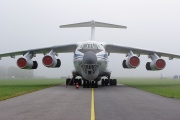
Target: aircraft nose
{"x": 89, "y": 58}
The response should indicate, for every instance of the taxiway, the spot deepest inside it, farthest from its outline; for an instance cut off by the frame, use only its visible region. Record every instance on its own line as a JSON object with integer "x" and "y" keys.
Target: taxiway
{"x": 110, "y": 103}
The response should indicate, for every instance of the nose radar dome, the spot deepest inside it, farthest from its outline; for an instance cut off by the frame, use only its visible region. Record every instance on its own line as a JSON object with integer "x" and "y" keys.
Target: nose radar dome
{"x": 89, "y": 58}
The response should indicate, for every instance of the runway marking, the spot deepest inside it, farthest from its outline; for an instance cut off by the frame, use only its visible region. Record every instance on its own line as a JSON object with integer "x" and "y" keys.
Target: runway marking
{"x": 92, "y": 106}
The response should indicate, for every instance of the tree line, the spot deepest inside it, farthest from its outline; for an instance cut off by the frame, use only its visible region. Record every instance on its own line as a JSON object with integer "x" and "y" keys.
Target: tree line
{"x": 15, "y": 72}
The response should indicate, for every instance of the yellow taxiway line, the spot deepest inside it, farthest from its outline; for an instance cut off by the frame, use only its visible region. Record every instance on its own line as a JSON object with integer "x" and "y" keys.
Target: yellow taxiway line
{"x": 92, "y": 106}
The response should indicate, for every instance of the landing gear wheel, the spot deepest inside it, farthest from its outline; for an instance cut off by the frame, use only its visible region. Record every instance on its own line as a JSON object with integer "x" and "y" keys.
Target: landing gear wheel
{"x": 87, "y": 83}
{"x": 106, "y": 82}
{"x": 96, "y": 84}
{"x": 79, "y": 81}
{"x": 84, "y": 83}
{"x": 115, "y": 82}
{"x": 102, "y": 82}
{"x": 92, "y": 84}
{"x": 67, "y": 81}
{"x": 72, "y": 81}
{"x": 111, "y": 82}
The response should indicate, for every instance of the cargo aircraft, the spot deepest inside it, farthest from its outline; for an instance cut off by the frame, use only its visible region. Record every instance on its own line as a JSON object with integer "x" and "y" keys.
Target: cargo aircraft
{"x": 91, "y": 57}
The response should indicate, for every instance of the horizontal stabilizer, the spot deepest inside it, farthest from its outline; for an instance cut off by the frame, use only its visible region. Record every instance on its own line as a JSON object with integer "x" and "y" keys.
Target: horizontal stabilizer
{"x": 93, "y": 24}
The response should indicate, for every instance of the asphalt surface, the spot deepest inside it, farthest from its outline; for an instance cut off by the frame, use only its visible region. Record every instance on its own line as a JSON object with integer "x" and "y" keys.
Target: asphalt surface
{"x": 55, "y": 103}
{"x": 111, "y": 103}
{"x": 126, "y": 103}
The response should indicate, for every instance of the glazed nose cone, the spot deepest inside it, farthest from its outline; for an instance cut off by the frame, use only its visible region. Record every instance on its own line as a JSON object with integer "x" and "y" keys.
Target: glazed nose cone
{"x": 89, "y": 58}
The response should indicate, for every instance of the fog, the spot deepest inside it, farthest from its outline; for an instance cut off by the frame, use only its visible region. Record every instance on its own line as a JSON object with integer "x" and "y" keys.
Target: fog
{"x": 151, "y": 24}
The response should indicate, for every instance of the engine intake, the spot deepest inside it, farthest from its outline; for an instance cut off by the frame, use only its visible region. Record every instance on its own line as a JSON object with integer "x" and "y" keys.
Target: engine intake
{"x": 157, "y": 64}
{"x": 25, "y": 63}
{"x": 51, "y": 61}
{"x": 131, "y": 62}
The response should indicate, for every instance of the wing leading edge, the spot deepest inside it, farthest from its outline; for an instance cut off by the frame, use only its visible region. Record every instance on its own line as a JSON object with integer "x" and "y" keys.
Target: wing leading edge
{"x": 57, "y": 49}
{"x": 114, "y": 48}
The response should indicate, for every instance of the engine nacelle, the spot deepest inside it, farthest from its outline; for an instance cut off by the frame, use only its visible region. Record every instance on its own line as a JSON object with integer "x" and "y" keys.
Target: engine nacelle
{"x": 157, "y": 64}
{"x": 131, "y": 62}
{"x": 25, "y": 63}
{"x": 51, "y": 61}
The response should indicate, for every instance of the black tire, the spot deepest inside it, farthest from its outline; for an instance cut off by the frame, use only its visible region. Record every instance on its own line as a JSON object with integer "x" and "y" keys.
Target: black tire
{"x": 72, "y": 81}
{"x": 92, "y": 84}
{"x": 67, "y": 81}
{"x": 87, "y": 84}
{"x": 115, "y": 82}
{"x": 79, "y": 81}
{"x": 102, "y": 82}
{"x": 111, "y": 82}
{"x": 106, "y": 82}
{"x": 96, "y": 84}
{"x": 84, "y": 84}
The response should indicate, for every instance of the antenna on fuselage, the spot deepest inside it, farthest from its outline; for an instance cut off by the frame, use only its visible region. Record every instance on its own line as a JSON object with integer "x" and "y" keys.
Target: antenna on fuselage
{"x": 92, "y": 24}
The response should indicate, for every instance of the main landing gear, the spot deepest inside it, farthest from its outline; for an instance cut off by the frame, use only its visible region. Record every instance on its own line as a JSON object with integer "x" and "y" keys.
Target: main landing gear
{"x": 91, "y": 84}
{"x": 106, "y": 82}
{"x": 72, "y": 81}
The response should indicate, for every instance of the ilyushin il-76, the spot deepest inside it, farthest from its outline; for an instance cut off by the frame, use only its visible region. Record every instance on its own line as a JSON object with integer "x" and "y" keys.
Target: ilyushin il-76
{"x": 91, "y": 57}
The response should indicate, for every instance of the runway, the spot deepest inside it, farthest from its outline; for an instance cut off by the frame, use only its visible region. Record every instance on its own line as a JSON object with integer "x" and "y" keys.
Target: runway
{"x": 55, "y": 103}
{"x": 126, "y": 103}
{"x": 111, "y": 103}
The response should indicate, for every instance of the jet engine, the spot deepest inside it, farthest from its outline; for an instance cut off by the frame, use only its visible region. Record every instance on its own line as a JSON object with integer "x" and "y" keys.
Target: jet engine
{"x": 157, "y": 64}
{"x": 131, "y": 62}
{"x": 50, "y": 61}
{"x": 25, "y": 63}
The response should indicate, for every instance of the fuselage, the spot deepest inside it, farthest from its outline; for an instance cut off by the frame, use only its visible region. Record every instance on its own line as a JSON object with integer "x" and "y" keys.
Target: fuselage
{"x": 90, "y": 60}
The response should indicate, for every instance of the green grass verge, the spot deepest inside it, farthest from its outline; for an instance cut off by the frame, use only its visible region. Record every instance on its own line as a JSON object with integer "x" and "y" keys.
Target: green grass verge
{"x": 165, "y": 87}
{"x": 15, "y": 87}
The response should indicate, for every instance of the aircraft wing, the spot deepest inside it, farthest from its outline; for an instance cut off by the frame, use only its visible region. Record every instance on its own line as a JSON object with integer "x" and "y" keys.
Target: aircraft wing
{"x": 58, "y": 49}
{"x": 114, "y": 48}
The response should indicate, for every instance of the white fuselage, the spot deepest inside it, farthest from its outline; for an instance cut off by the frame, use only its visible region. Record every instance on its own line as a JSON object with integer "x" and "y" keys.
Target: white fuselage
{"x": 90, "y": 71}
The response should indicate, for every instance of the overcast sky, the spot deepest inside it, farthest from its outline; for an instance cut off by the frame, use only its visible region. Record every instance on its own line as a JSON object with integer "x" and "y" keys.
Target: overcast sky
{"x": 151, "y": 24}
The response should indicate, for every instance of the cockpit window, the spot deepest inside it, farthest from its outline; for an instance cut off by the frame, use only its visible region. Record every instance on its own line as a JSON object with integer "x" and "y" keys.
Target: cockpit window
{"x": 85, "y": 46}
{"x": 98, "y": 47}
{"x": 95, "y": 46}
{"x": 90, "y": 46}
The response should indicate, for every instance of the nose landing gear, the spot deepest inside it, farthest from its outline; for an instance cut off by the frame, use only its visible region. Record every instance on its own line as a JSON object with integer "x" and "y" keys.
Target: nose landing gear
{"x": 94, "y": 84}
{"x": 88, "y": 83}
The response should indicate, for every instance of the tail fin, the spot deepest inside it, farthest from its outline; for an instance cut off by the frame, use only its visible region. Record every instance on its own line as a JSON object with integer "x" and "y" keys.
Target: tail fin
{"x": 92, "y": 24}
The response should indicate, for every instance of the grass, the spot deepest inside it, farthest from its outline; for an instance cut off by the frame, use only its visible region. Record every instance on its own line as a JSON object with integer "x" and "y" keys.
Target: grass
{"x": 15, "y": 87}
{"x": 165, "y": 87}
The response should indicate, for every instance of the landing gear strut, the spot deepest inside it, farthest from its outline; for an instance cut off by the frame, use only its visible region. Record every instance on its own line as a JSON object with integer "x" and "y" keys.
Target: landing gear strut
{"x": 69, "y": 81}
